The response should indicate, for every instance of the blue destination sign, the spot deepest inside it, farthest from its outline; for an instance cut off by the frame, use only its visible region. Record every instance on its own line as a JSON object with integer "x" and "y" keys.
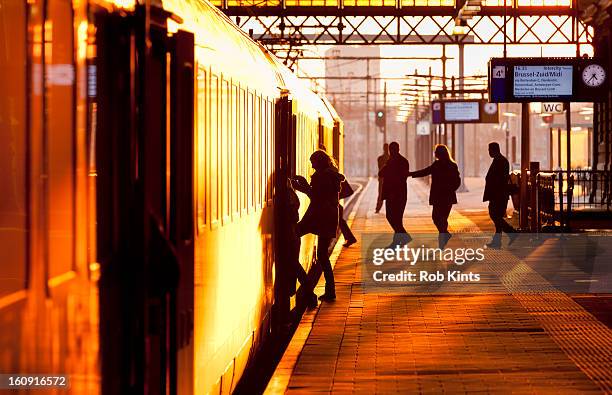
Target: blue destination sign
{"x": 546, "y": 79}
{"x": 538, "y": 81}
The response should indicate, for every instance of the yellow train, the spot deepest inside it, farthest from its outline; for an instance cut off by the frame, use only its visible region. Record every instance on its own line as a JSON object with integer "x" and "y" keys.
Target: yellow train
{"x": 145, "y": 147}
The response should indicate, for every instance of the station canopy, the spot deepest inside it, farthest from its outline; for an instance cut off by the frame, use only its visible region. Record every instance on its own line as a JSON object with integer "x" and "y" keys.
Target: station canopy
{"x": 388, "y": 3}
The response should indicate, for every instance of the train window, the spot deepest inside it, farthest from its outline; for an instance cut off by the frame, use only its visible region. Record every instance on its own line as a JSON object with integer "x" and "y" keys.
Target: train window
{"x": 243, "y": 148}
{"x": 264, "y": 151}
{"x": 262, "y": 144}
{"x": 233, "y": 152}
{"x": 214, "y": 149}
{"x": 256, "y": 151}
{"x": 271, "y": 181}
{"x": 224, "y": 157}
{"x": 303, "y": 153}
{"x": 249, "y": 151}
{"x": 299, "y": 165}
{"x": 252, "y": 158}
{"x": 321, "y": 128}
{"x": 299, "y": 133}
{"x": 244, "y": 145}
{"x": 13, "y": 131}
{"x": 260, "y": 158}
{"x": 229, "y": 131}
{"x": 200, "y": 171}
{"x": 253, "y": 162}
{"x": 245, "y": 154}
{"x": 59, "y": 142}
{"x": 240, "y": 149}
{"x": 256, "y": 137}
{"x": 236, "y": 150}
{"x": 264, "y": 159}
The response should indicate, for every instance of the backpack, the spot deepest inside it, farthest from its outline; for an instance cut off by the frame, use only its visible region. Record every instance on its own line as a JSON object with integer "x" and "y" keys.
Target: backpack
{"x": 345, "y": 190}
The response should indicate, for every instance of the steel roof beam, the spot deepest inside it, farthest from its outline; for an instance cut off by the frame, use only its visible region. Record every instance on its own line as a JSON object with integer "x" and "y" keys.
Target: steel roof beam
{"x": 393, "y": 11}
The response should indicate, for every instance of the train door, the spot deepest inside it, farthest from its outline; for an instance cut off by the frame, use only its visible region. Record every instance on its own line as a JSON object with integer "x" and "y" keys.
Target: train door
{"x": 182, "y": 208}
{"x": 144, "y": 193}
{"x": 113, "y": 130}
{"x": 284, "y": 285}
{"x": 284, "y": 138}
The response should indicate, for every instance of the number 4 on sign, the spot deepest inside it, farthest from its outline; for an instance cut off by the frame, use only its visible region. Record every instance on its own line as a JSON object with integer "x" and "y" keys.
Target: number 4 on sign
{"x": 499, "y": 72}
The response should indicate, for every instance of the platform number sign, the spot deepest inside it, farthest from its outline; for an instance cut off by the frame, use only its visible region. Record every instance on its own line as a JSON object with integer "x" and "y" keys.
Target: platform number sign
{"x": 499, "y": 72}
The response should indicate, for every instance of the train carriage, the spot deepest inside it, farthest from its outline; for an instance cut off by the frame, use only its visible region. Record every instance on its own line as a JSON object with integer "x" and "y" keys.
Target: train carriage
{"x": 147, "y": 147}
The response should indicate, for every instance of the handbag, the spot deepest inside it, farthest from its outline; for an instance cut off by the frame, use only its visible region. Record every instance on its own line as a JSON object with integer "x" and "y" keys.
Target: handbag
{"x": 345, "y": 190}
{"x": 456, "y": 181}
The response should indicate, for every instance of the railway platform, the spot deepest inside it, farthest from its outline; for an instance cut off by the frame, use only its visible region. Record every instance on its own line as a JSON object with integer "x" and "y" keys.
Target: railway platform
{"x": 509, "y": 342}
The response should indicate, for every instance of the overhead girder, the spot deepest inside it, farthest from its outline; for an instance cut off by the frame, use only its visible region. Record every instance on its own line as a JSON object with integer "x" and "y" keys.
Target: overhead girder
{"x": 287, "y": 29}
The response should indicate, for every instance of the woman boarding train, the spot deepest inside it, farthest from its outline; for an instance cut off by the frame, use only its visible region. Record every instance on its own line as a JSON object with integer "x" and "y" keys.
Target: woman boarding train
{"x": 322, "y": 216}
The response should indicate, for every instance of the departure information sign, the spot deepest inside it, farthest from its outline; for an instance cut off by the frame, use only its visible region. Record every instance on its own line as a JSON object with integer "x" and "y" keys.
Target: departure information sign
{"x": 463, "y": 111}
{"x": 539, "y": 81}
{"x": 513, "y": 80}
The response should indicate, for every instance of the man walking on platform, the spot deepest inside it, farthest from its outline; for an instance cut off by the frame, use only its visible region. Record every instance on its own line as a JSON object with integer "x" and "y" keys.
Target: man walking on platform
{"x": 395, "y": 193}
{"x": 496, "y": 193}
{"x": 382, "y": 161}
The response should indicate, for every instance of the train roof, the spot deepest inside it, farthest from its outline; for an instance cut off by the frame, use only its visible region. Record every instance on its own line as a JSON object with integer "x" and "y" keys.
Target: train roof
{"x": 330, "y": 108}
{"x": 299, "y": 90}
{"x": 242, "y": 58}
{"x": 224, "y": 46}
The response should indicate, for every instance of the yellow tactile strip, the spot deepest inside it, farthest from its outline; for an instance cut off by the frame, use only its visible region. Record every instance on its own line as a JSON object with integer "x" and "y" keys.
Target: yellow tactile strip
{"x": 383, "y": 343}
{"x": 580, "y": 335}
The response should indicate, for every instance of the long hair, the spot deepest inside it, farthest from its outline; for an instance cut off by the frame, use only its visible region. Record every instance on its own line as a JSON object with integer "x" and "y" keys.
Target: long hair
{"x": 321, "y": 160}
{"x": 441, "y": 152}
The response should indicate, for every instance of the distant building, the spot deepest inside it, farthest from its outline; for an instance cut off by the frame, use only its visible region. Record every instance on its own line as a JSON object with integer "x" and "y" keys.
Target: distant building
{"x": 349, "y": 98}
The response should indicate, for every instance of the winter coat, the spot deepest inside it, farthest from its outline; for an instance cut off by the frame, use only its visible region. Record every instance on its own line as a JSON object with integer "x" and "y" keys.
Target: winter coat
{"x": 496, "y": 181}
{"x": 394, "y": 174}
{"x": 321, "y": 217}
{"x": 445, "y": 180}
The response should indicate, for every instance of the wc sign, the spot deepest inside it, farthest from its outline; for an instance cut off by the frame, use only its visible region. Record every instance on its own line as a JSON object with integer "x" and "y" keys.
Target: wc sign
{"x": 552, "y": 108}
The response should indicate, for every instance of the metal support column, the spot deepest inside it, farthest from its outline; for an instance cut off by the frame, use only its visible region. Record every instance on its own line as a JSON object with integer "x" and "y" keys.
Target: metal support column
{"x": 453, "y": 139}
{"x": 460, "y": 128}
{"x": 385, "y": 112}
{"x": 525, "y": 154}
{"x": 367, "y": 142}
{"x": 568, "y": 127}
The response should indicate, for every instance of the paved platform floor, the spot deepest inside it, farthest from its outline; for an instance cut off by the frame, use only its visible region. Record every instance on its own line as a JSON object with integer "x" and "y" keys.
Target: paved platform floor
{"x": 419, "y": 343}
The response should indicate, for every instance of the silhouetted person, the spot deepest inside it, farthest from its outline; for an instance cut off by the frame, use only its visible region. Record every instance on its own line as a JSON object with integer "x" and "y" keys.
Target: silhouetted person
{"x": 395, "y": 193}
{"x": 445, "y": 180}
{"x": 382, "y": 161}
{"x": 291, "y": 244}
{"x": 321, "y": 217}
{"x": 496, "y": 193}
